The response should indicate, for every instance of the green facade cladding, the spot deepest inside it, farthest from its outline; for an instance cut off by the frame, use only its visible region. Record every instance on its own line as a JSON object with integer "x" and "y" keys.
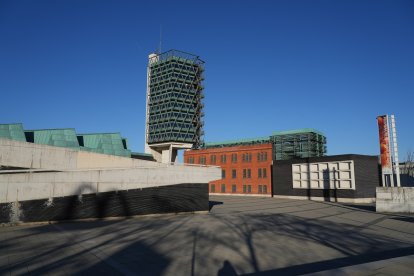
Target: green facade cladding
{"x": 13, "y": 132}
{"x": 175, "y": 93}
{"x": 53, "y": 137}
{"x": 106, "y": 143}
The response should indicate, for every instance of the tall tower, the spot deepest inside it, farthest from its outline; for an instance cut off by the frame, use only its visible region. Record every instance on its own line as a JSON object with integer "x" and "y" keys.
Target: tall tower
{"x": 174, "y": 113}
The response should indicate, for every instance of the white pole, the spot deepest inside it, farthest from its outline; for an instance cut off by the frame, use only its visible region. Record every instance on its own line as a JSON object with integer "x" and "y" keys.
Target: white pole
{"x": 390, "y": 151}
{"x": 394, "y": 140}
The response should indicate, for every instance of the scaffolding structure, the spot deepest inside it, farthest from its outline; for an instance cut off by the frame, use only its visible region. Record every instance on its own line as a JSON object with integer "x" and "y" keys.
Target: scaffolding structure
{"x": 174, "y": 99}
{"x": 302, "y": 143}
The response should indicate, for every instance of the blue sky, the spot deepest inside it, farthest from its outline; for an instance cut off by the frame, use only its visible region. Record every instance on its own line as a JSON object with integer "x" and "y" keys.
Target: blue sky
{"x": 270, "y": 65}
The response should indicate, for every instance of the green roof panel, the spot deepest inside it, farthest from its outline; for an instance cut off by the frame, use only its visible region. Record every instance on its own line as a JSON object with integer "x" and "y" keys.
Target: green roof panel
{"x": 13, "y": 132}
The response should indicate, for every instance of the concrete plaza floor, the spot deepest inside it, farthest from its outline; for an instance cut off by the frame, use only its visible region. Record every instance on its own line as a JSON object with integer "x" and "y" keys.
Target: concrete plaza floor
{"x": 241, "y": 235}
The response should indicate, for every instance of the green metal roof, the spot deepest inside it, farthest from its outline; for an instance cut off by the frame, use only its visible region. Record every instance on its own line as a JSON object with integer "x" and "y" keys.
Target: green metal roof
{"x": 296, "y": 131}
{"x": 63, "y": 137}
{"x": 13, "y": 132}
{"x": 107, "y": 143}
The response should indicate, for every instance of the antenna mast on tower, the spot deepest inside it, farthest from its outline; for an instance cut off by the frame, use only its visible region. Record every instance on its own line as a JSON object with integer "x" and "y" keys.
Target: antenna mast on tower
{"x": 160, "y": 44}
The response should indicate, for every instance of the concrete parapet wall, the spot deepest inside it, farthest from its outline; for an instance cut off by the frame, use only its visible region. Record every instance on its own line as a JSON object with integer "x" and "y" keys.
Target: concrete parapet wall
{"x": 36, "y": 156}
{"x": 41, "y": 185}
{"x": 395, "y": 199}
{"x": 61, "y": 183}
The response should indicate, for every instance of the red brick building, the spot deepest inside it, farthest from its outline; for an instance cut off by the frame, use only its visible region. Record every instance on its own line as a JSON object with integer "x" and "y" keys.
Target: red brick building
{"x": 246, "y": 169}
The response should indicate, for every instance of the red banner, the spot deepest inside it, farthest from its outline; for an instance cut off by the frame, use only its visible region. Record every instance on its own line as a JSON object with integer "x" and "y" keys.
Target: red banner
{"x": 384, "y": 138}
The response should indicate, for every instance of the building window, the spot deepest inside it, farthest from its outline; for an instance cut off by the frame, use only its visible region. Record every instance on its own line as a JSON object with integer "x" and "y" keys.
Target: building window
{"x": 259, "y": 173}
{"x": 249, "y": 173}
{"x": 265, "y": 189}
{"x": 190, "y": 160}
{"x": 233, "y": 188}
{"x": 262, "y": 156}
{"x": 244, "y": 173}
{"x": 244, "y": 189}
{"x": 202, "y": 160}
{"x": 223, "y": 173}
{"x": 223, "y": 159}
{"x": 247, "y": 157}
{"x": 223, "y": 188}
{"x": 249, "y": 188}
{"x": 212, "y": 159}
{"x": 260, "y": 189}
{"x": 213, "y": 188}
{"x": 233, "y": 174}
{"x": 264, "y": 173}
{"x": 234, "y": 158}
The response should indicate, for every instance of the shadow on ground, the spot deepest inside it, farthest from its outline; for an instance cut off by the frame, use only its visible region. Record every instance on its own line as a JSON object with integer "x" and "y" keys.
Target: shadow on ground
{"x": 215, "y": 244}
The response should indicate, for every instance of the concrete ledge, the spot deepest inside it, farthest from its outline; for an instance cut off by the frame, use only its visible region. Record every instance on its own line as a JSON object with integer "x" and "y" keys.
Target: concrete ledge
{"x": 338, "y": 199}
{"x": 395, "y": 199}
{"x": 254, "y": 195}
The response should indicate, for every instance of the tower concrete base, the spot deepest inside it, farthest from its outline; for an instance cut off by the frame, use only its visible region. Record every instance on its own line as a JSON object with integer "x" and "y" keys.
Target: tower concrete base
{"x": 167, "y": 152}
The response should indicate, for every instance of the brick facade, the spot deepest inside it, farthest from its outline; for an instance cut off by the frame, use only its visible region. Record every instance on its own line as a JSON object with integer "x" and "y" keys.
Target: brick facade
{"x": 246, "y": 169}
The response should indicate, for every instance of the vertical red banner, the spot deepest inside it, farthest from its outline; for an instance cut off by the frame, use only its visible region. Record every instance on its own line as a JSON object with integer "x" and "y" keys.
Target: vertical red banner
{"x": 384, "y": 138}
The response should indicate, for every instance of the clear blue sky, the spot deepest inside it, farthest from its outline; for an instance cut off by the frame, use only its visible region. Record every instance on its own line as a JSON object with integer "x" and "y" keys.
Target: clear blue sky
{"x": 270, "y": 65}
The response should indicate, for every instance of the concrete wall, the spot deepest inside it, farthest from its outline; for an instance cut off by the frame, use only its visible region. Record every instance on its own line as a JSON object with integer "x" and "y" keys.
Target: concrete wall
{"x": 35, "y": 156}
{"x": 44, "y": 185}
{"x": 76, "y": 184}
{"x": 395, "y": 199}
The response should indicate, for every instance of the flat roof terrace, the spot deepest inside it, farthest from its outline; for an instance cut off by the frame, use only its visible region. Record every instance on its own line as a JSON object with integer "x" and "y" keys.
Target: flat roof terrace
{"x": 240, "y": 235}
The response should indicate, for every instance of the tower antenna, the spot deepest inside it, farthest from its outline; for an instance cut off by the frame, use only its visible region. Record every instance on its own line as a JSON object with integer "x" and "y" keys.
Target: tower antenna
{"x": 159, "y": 47}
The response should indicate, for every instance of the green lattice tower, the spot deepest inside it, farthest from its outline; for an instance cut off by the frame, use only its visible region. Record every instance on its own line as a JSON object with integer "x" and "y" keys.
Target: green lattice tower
{"x": 174, "y": 99}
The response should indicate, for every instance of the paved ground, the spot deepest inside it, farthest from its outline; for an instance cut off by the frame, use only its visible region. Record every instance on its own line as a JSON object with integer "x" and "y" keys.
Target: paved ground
{"x": 241, "y": 235}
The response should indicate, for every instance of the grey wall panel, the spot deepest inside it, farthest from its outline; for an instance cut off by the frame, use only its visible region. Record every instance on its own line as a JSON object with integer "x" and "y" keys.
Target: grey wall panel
{"x": 367, "y": 175}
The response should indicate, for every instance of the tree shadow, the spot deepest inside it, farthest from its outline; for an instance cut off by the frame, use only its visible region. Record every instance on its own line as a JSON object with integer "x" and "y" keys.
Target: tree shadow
{"x": 229, "y": 244}
{"x": 83, "y": 254}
